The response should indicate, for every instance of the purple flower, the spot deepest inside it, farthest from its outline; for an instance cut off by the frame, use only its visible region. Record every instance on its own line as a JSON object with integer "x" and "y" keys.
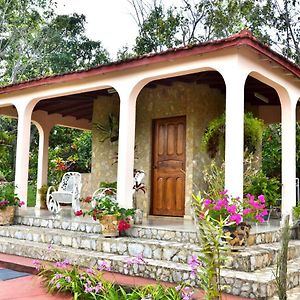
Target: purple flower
{"x": 68, "y": 279}
{"x": 224, "y": 192}
{"x": 261, "y": 198}
{"x": 139, "y": 260}
{"x": 186, "y": 293}
{"x": 98, "y": 287}
{"x": 231, "y": 209}
{"x": 207, "y": 203}
{"x": 58, "y": 276}
{"x": 193, "y": 263}
{"x": 259, "y": 218}
{"x": 91, "y": 271}
{"x": 236, "y": 218}
{"x": 246, "y": 211}
{"x": 58, "y": 285}
{"x": 217, "y": 207}
{"x": 103, "y": 266}
{"x": 37, "y": 264}
{"x": 62, "y": 264}
{"x": 87, "y": 288}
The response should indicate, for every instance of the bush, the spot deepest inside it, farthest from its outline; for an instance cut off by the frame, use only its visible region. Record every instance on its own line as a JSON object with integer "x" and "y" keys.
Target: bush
{"x": 260, "y": 184}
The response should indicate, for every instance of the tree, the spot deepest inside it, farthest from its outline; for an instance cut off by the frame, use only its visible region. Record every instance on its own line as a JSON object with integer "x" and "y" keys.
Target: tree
{"x": 35, "y": 42}
{"x": 286, "y": 21}
{"x": 157, "y": 27}
{"x": 275, "y": 23}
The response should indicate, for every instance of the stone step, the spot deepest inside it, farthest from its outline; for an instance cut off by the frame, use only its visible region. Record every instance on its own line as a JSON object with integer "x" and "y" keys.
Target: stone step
{"x": 260, "y": 256}
{"x": 259, "y": 284}
{"x": 152, "y": 249}
{"x": 248, "y": 259}
{"x": 80, "y": 224}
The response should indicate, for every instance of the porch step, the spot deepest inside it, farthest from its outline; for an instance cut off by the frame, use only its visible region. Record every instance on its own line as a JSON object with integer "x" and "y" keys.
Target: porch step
{"x": 260, "y": 256}
{"x": 137, "y": 231}
{"x": 259, "y": 284}
{"x": 152, "y": 249}
{"x": 248, "y": 259}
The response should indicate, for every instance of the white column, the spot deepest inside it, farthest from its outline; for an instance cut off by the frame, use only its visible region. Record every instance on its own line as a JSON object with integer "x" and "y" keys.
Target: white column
{"x": 234, "y": 132}
{"x": 126, "y": 148}
{"x": 22, "y": 153}
{"x": 288, "y": 168}
{"x": 42, "y": 172}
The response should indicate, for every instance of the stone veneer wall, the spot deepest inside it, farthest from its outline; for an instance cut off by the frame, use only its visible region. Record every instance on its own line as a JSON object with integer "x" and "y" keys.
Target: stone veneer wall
{"x": 199, "y": 103}
{"x": 103, "y": 153}
{"x": 86, "y": 188}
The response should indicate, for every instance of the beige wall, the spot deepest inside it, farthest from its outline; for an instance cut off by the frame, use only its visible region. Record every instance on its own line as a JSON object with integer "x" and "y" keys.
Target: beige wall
{"x": 103, "y": 153}
{"x": 199, "y": 103}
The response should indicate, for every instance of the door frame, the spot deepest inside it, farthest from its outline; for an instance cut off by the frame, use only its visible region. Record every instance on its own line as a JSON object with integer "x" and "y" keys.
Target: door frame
{"x": 152, "y": 160}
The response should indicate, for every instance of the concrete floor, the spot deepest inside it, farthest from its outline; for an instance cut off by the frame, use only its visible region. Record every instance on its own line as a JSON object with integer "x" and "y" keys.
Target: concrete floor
{"x": 159, "y": 222}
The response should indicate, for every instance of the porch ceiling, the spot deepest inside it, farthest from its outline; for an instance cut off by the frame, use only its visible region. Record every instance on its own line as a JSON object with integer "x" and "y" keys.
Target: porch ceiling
{"x": 253, "y": 87}
{"x": 80, "y": 106}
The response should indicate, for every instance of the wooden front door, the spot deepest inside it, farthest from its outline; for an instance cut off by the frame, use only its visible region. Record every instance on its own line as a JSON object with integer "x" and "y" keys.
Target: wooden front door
{"x": 168, "y": 164}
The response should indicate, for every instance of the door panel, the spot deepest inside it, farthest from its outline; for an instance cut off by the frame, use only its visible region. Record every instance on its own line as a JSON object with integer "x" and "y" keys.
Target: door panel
{"x": 168, "y": 163}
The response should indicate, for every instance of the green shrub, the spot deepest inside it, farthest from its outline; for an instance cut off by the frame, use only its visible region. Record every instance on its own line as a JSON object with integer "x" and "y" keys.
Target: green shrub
{"x": 213, "y": 140}
{"x": 260, "y": 184}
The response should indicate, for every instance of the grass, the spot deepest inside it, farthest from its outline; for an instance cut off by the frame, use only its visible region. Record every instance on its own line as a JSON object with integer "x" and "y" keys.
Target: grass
{"x": 31, "y": 194}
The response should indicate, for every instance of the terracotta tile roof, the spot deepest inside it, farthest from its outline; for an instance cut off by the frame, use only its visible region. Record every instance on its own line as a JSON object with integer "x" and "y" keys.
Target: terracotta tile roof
{"x": 243, "y": 38}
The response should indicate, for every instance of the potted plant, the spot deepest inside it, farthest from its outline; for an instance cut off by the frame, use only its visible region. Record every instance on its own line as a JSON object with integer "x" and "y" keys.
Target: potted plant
{"x": 43, "y": 195}
{"x": 235, "y": 212}
{"x": 8, "y": 203}
{"x": 106, "y": 209}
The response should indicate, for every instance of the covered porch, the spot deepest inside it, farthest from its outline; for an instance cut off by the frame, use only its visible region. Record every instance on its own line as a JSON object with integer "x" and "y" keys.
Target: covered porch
{"x": 231, "y": 71}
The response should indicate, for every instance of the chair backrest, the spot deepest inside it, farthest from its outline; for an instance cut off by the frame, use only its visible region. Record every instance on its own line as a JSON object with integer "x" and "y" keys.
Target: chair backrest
{"x": 102, "y": 192}
{"x": 71, "y": 182}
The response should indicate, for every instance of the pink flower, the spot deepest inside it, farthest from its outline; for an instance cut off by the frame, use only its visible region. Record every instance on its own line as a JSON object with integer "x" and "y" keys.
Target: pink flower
{"x": 217, "y": 207}
{"x": 246, "y": 211}
{"x": 207, "y": 202}
{"x": 259, "y": 219}
{"x": 222, "y": 202}
{"x": 261, "y": 198}
{"x": 231, "y": 209}
{"x": 264, "y": 212}
{"x": 224, "y": 192}
{"x": 236, "y": 218}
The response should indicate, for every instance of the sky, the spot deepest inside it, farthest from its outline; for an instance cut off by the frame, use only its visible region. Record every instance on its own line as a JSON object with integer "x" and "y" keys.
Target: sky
{"x": 107, "y": 20}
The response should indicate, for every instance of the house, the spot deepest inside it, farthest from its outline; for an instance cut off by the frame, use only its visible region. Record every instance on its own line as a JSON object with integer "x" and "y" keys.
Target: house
{"x": 164, "y": 102}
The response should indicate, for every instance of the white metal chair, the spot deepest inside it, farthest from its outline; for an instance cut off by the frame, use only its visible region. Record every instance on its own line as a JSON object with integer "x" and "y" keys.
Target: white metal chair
{"x": 101, "y": 193}
{"x": 68, "y": 193}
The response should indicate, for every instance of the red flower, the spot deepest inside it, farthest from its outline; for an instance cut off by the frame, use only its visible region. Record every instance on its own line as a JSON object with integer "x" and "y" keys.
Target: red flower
{"x": 123, "y": 225}
{"x": 78, "y": 213}
{"x": 88, "y": 199}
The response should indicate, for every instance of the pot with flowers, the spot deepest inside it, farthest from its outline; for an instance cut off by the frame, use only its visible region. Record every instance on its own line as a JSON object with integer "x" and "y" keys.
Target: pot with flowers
{"x": 237, "y": 214}
{"x": 8, "y": 203}
{"x": 105, "y": 209}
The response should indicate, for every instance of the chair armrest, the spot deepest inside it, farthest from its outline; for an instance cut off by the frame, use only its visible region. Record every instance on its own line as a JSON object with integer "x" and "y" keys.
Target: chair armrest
{"x": 51, "y": 189}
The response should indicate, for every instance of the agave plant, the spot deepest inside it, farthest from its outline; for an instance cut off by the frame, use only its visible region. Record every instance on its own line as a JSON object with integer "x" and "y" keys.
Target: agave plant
{"x": 110, "y": 130}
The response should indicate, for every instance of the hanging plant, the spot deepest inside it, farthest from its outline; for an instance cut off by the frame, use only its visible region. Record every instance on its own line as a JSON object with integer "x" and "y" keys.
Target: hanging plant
{"x": 213, "y": 140}
{"x": 110, "y": 130}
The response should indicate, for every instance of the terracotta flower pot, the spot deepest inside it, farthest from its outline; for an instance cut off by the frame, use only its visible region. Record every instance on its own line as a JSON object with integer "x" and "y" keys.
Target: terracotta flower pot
{"x": 109, "y": 225}
{"x": 7, "y": 215}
